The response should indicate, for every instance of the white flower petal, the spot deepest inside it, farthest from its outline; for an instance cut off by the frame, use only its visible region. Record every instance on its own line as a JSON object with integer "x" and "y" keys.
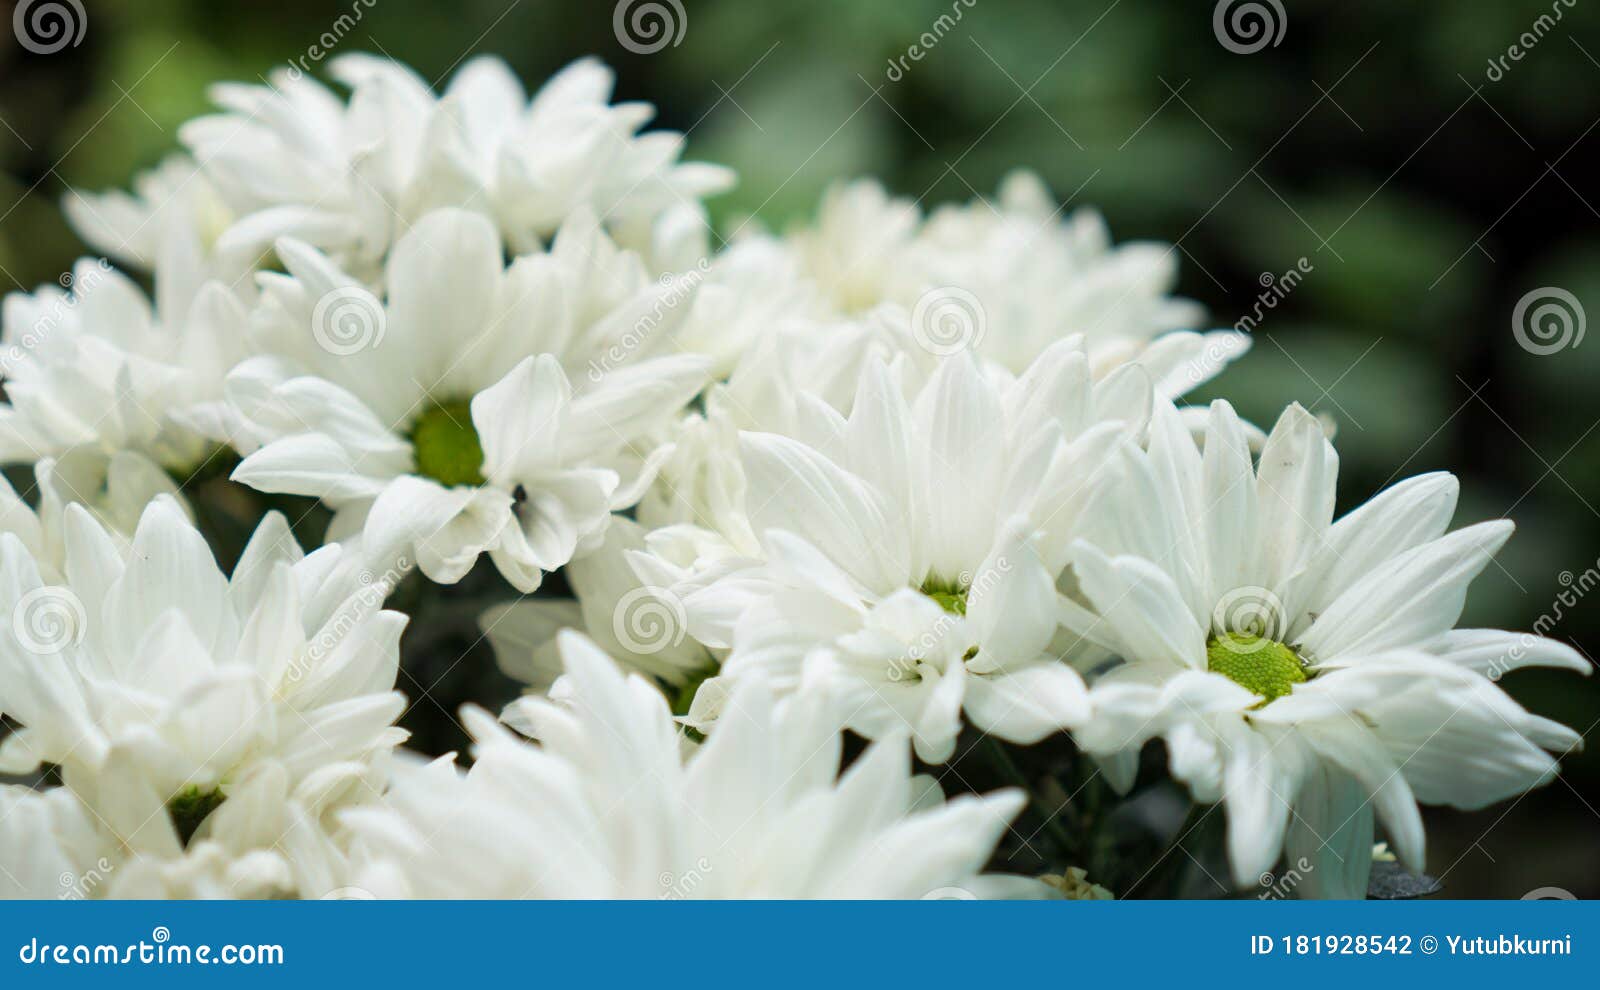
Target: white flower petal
{"x": 445, "y": 529}
{"x": 1329, "y": 844}
{"x": 1144, "y": 607}
{"x": 1415, "y": 597}
{"x": 794, "y": 487}
{"x": 1027, "y": 704}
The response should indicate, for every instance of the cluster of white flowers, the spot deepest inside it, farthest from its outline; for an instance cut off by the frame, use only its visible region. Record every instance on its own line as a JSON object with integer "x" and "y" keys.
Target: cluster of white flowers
{"x": 918, "y": 478}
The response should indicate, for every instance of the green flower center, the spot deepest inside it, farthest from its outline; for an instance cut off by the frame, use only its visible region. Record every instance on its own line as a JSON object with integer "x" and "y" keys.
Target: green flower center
{"x": 446, "y": 446}
{"x": 190, "y": 808}
{"x": 1255, "y": 663}
{"x": 949, "y": 597}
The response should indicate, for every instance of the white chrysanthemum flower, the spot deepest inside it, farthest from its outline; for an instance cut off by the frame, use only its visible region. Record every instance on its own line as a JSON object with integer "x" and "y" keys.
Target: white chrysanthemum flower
{"x": 52, "y": 846}
{"x": 606, "y": 807}
{"x": 481, "y": 408}
{"x": 114, "y": 490}
{"x": 702, "y": 482}
{"x": 293, "y": 159}
{"x": 856, "y": 249}
{"x": 207, "y": 871}
{"x": 172, "y": 220}
{"x": 643, "y": 628}
{"x": 750, "y": 293}
{"x": 910, "y": 552}
{"x": 1305, "y": 672}
{"x": 99, "y": 368}
{"x": 1008, "y": 278}
{"x": 182, "y": 706}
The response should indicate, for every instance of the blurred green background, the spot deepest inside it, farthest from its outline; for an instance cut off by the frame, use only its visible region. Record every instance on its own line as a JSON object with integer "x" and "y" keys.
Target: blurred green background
{"x": 1426, "y": 190}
